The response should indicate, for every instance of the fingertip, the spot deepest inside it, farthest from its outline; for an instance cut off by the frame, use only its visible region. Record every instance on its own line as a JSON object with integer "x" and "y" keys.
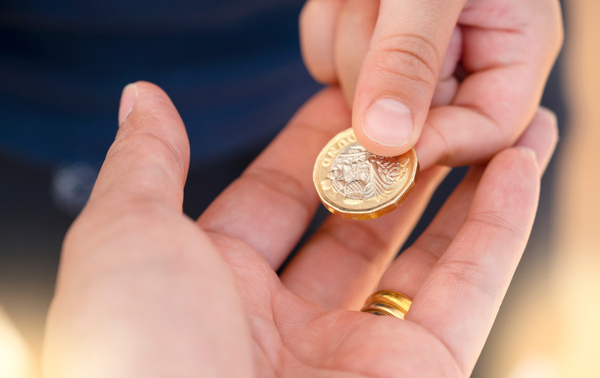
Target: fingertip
{"x": 541, "y": 137}
{"x": 317, "y": 34}
{"x": 154, "y": 109}
{"x": 388, "y": 128}
{"x": 548, "y": 114}
{"x": 530, "y": 153}
{"x": 128, "y": 97}
{"x": 514, "y": 163}
{"x": 513, "y": 168}
{"x": 150, "y": 155}
{"x": 142, "y": 92}
{"x": 511, "y": 181}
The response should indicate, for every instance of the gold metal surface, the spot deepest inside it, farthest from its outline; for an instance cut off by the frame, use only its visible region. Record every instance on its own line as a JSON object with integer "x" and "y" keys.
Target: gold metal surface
{"x": 389, "y": 303}
{"x": 355, "y": 184}
{"x": 383, "y": 309}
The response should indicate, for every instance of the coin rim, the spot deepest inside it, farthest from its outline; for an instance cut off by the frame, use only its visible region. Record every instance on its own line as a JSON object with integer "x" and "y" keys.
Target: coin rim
{"x": 388, "y": 206}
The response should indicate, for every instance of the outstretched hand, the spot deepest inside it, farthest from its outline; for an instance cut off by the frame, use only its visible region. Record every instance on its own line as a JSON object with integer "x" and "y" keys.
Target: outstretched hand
{"x": 144, "y": 291}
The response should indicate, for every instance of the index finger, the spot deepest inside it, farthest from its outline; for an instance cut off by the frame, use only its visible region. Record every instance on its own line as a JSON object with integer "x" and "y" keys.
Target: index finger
{"x": 399, "y": 73}
{"x": 271, "y": 204}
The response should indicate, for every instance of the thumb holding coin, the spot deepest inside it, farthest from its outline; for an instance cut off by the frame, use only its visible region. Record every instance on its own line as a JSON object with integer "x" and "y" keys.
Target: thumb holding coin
{"x": 395, "y": 60}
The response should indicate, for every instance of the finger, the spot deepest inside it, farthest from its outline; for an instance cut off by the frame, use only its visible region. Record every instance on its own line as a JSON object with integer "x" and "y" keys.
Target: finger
{"x": 464, "y": 252}
{"x": 143, "y": 174}
{"x": 354, "y": 29}
{"x": 132, "y": 266}
{"x": 317, "y": 33}
{"x": 271, "y": 204}
{"x": 447, "y": 84}
{"x": 410, "y": 270}
{"x": 150, "y": 156}
{"x": 460, "y": 298}
{"x": 344, "y": 260}
{"x": 541, "y": 136}
{"x": 399, "y": 74}
{"x": 366, "y": 248}
{"x": 509, "y": 58}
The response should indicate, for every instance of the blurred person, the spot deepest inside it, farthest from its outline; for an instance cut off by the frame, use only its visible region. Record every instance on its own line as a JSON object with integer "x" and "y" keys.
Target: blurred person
{"x": 234, "y": 70}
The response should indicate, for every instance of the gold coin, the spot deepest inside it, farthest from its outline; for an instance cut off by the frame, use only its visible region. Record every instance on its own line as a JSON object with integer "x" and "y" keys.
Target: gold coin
{"x": 356, "y": 184}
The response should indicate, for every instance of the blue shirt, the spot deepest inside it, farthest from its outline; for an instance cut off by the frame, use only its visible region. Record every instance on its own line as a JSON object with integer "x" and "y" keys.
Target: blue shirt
{"x": 232, "y": 68}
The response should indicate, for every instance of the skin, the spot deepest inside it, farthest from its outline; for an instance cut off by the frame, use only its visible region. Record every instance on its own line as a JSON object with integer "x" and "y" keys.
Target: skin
{"x": 410, "y": 50}
{"x": 144, "y": 291}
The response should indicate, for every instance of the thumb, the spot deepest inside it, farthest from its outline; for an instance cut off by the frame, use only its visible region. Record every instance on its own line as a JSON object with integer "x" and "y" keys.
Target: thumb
{"x": 150, "y": 156}
{"x": 399, "y": 74}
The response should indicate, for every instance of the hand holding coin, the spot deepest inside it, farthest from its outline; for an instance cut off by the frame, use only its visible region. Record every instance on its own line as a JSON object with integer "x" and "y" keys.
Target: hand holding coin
{"x": 144, "y": 291}
{"x": 356, "y": 184}
{"x": 401, "y": 63}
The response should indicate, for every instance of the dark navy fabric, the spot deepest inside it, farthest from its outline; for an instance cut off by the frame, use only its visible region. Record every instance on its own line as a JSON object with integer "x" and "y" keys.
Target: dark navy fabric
{"x": 232, "y": 68}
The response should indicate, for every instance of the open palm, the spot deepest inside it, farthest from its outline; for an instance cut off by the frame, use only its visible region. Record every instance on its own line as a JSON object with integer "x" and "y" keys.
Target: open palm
{"x": 144, "y": 291}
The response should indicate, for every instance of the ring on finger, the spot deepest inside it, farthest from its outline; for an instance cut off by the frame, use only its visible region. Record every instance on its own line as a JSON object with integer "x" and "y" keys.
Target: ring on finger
{"x": 387, "y": 303}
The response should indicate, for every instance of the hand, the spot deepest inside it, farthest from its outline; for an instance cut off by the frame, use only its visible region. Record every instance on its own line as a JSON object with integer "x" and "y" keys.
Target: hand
{"x": 144, "y": 291}
{"x": 395, "y": 59}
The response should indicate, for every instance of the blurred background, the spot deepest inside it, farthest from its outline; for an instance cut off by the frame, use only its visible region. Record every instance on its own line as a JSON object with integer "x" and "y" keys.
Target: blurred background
{"x": 547, "y": 326}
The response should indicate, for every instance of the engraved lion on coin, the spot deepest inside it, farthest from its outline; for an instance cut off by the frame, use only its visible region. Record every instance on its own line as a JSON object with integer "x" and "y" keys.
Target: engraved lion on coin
{"x": 358, "y": 174}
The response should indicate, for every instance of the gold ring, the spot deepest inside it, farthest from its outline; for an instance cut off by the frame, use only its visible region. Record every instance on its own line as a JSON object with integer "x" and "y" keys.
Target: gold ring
{"x": 387, "y": 303}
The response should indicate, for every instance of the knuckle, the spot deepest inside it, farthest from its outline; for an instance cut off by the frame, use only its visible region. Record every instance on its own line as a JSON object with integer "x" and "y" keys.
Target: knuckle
{"x": 433, "y": 244}
{"x": 470, "y": 273}
{"x": 274, "y": 182}
{"x": 161, "y": 162}
{"x": 497, "y": 221}
{"x": 357, "y": 240}
{"x": 409, "y": 57}
{"x": 148, "y": 144}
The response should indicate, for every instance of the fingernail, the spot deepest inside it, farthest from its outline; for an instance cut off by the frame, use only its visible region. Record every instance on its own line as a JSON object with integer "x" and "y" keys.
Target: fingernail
{"x": 549, "y": 114}
{"x": 388, "y": 122}
{"x": 128, "y": 98}
{"x": 531, "y": 152}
